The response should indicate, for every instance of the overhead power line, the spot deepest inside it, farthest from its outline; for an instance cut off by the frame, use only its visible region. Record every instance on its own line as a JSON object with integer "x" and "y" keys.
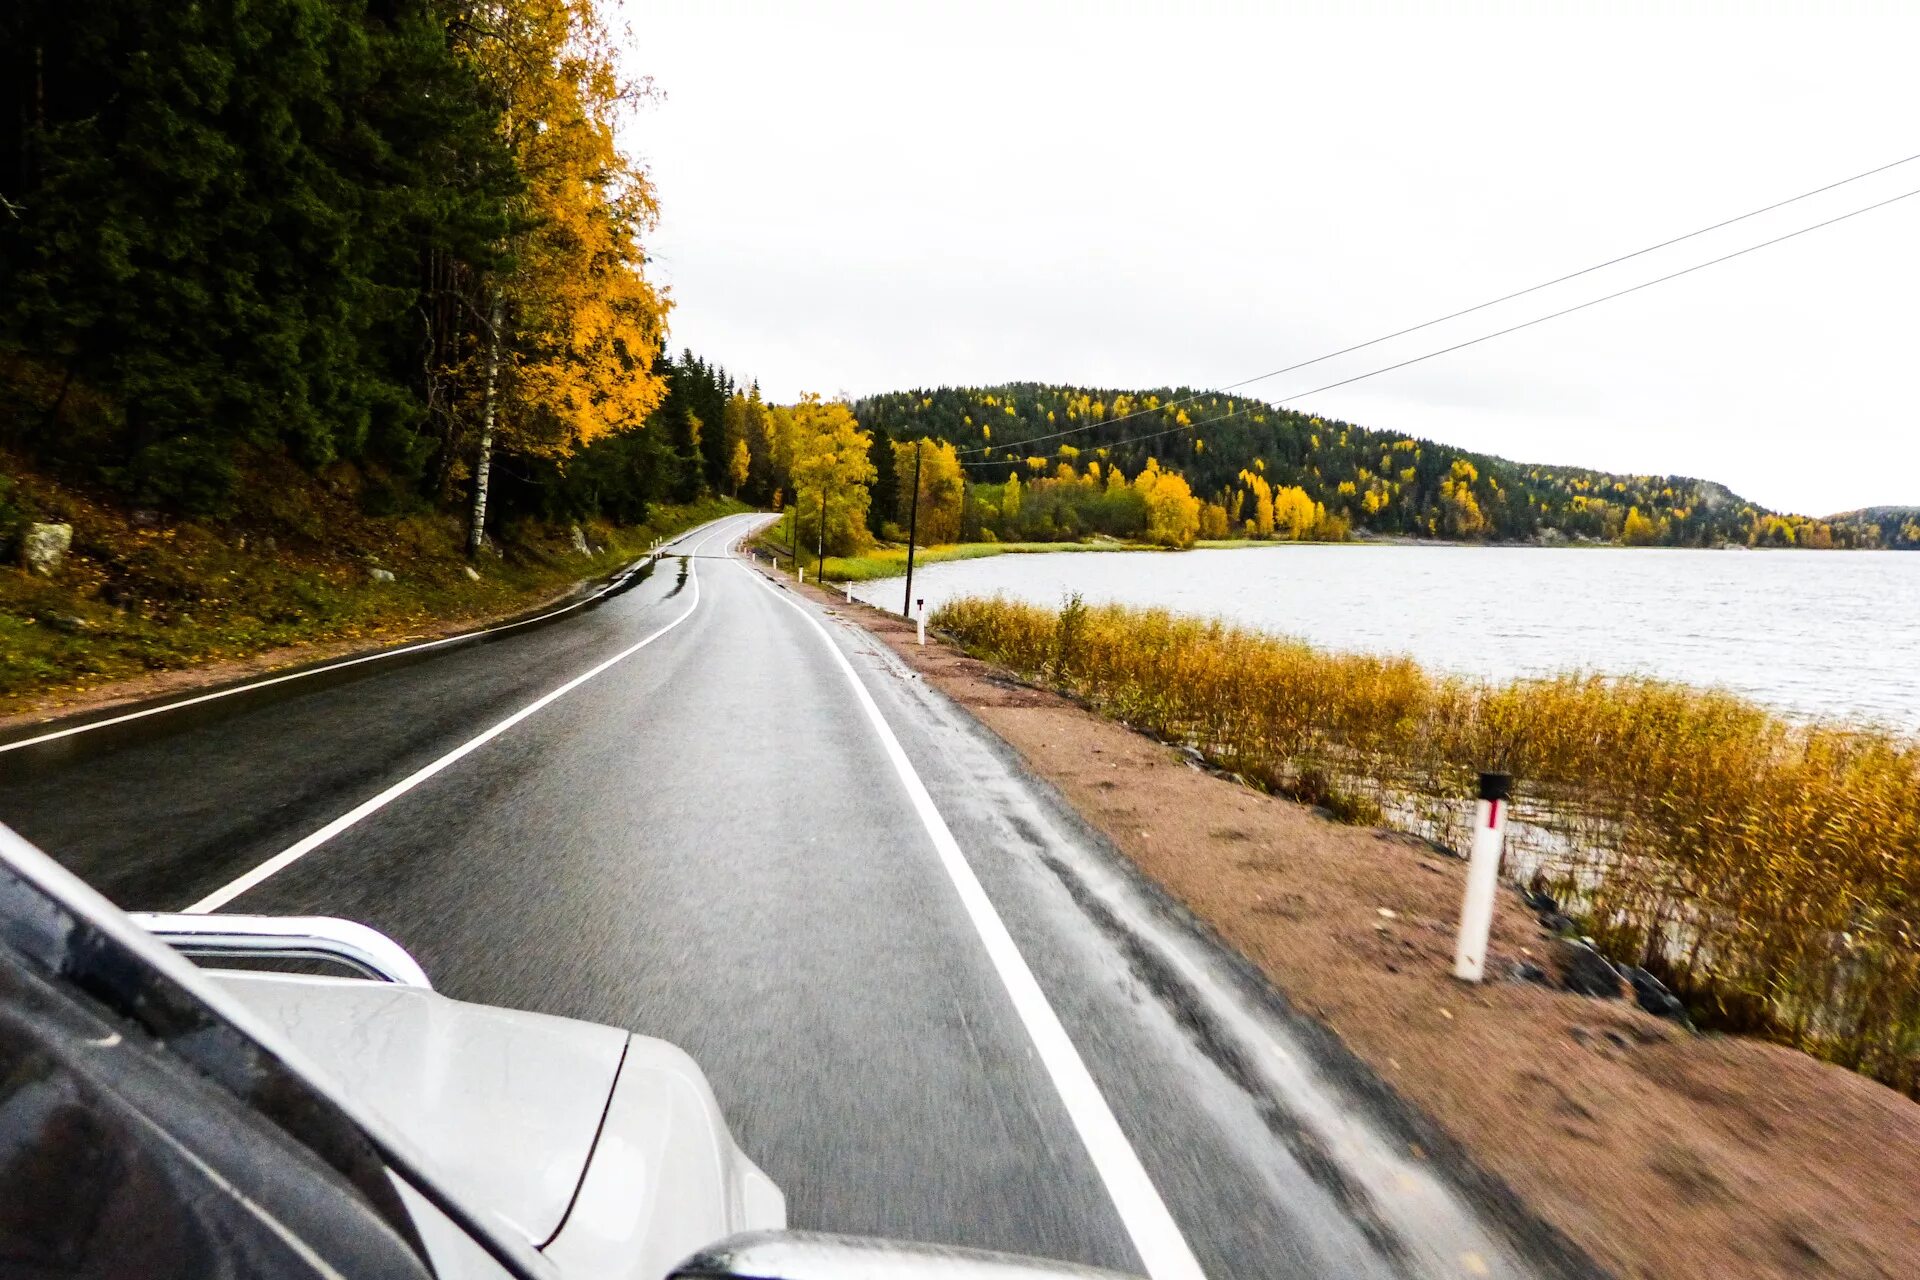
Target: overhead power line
{"x": 1467, "y": 311}
{"x": 1499, "y": 333}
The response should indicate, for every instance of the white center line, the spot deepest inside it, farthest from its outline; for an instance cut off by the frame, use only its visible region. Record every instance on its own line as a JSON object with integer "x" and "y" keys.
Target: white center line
{"x": 293, "y": 853}
{"x": 1156, "y": 1236}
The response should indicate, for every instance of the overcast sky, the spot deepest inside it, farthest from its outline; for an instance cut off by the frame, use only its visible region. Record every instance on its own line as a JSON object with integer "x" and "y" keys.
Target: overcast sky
{"x": 860, "y": 198}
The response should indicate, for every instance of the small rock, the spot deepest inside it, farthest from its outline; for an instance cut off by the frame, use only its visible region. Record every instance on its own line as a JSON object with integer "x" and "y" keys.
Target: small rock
{"x": 1557, "y": 923}
{"x": 142, "y": 518}
{"x": 580, "y": 541}
{"x": 1584, "y": 971}
{"x": 45, "y": 547}
{"x": 269, "y": 545}
{"x": 380, "y": 575}
{"x": 1387, "y": 913}
{"x": 472, "y": 572}
{"x": 1523, "y": 971}
{"x": 65, "y": 623}
{"x": 1652, "y": 995}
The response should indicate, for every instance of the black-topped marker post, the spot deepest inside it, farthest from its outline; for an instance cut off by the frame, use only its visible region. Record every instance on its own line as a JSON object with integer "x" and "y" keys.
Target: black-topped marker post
{"x": 1483, "y": 876}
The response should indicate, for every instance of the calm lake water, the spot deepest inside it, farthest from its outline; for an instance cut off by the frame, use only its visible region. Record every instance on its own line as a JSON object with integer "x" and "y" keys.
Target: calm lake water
{"x": 1818, "y": 633}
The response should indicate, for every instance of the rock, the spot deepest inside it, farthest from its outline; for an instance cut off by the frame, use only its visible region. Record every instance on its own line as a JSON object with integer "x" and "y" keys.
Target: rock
{"x": 1584, "y": 971}
{"x": 472, "y": 573}
{"x": 1652, "y": 995}
{"x": 142, "y": 518}
{"x": 45, "y": 547}
{"x": 1523, "y": 971}
{"x": 580, "y": 541}
{"x": 380, "y": 575}
{"x": 1557, "y": 923}
{"x": 65, "y": 623}
{"x": 268, "y": 545}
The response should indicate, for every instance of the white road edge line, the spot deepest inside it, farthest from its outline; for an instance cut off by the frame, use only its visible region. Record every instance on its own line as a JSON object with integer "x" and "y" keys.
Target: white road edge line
{"x": 250, "y": 685}
{"x": 293, "y": 853}
{"x": 1156, "y": 1237}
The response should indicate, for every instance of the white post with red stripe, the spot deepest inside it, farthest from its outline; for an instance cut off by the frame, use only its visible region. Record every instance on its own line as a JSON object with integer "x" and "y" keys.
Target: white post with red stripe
{"x": 920, "y": 620}
{"x": 1483, "y": 876}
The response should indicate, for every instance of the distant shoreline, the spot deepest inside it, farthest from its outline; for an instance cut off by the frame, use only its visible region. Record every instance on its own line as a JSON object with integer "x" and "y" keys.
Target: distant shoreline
{"x": 890, "y": 559}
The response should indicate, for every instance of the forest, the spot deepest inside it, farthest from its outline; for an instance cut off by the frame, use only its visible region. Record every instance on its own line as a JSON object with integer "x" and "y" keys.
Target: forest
{"x": 1252, "y": 469}
{"x": 387, "y": 240}
{"x": 392, "y": 246}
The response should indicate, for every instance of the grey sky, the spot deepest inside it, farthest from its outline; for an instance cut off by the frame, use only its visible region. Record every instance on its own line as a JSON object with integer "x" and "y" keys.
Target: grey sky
{"x": 869, "y": 197}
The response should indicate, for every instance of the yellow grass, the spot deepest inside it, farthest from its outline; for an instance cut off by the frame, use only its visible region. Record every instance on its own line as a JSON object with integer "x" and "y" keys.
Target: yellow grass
{"x": 1768, "y": 869}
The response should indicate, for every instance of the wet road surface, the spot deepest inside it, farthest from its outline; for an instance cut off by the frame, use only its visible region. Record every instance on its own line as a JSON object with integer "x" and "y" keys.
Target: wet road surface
{"x": 705, "y": 837}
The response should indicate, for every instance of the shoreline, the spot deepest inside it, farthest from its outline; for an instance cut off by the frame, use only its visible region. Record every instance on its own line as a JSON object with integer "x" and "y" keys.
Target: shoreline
{"x": 888, "y": 560}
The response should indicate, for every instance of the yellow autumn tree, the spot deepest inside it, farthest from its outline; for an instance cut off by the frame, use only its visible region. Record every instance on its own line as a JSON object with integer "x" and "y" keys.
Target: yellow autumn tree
{"x": 943, "y": 489}
{"x": 831, "y": 475}
{"x": 1262, "y": 494}
{"x": 582, "y": 320}
{"x": 1461, "y": 516}
{"x": 1173, "y": 513}
{"x": 738, "y": 466}
{"x": 572, "y": 323}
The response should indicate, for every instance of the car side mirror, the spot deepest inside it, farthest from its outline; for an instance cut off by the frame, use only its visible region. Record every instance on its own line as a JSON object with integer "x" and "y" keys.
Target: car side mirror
{"x": 807, "y": 1255}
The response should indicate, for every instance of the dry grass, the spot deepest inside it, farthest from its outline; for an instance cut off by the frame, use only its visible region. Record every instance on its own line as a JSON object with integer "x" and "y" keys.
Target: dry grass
{"x": 1768, "y": 869}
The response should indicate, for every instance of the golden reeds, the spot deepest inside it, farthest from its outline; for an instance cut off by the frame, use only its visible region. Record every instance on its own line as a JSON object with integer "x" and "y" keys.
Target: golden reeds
{"x": 1766, "y": 868}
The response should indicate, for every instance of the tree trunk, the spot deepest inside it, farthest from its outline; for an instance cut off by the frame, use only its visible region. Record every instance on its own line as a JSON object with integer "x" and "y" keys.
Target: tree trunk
{"x": 477, "y": 532}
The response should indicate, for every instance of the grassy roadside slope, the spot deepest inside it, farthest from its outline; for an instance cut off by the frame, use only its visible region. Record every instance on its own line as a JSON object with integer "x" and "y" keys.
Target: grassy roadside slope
{"x": 141, "y": 594}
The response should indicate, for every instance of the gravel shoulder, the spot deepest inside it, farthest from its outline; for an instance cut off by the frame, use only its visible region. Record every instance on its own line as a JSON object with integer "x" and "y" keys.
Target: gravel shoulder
{"x": 1659, "y": 1152}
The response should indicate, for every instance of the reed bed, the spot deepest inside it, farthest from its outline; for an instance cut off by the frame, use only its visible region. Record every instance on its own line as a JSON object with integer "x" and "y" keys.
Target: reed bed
{"x": 1767, "y": 869}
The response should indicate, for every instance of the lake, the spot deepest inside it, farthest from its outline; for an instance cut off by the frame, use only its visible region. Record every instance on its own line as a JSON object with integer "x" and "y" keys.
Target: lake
{"x": 1833, "y": 633}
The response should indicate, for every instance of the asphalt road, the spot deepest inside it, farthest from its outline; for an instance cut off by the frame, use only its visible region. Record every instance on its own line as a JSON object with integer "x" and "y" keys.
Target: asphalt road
{"x": 709, "y": 841}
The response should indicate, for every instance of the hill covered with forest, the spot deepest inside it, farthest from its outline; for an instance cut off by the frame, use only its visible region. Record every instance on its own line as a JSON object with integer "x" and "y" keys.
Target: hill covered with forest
{"x": 1336, "y": 478}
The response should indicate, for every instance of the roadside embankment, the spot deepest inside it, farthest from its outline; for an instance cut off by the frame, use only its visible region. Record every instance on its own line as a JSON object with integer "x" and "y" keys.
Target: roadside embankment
{"x": 138, "y": 605}
{"x": 1767, "y": 869}
{"x": 1660, "y": 1152}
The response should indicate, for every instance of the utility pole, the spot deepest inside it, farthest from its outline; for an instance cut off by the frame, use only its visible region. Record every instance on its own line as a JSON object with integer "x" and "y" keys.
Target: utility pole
{"x": 822, "y": 574}
{"x": 913, "y": 529}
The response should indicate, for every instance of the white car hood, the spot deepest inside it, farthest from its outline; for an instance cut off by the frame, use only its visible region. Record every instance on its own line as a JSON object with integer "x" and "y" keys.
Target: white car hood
{"x": 505, "y": 1104}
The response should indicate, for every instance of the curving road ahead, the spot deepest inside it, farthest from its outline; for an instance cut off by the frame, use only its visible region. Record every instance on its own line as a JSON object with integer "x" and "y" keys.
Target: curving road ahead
{"x": 932, "y": 1004}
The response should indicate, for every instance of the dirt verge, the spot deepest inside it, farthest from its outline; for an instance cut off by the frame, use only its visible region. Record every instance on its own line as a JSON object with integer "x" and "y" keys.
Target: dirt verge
{"x": 1659, "y": 1152}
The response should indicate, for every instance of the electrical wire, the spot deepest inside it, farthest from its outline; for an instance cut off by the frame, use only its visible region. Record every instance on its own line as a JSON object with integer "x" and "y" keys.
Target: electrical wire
{"x": 1465, "y": 311}
{"x": 1498, "y": 333}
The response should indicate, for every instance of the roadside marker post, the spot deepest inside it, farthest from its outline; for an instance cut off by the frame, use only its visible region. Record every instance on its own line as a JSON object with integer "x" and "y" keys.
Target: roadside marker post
{"x": 1483, "y": 876}
{"x": 913, "y": 524}
{"x": 920, "y": 619}
{"x": 802, "y": 571}
{"x": 848, "y": 584}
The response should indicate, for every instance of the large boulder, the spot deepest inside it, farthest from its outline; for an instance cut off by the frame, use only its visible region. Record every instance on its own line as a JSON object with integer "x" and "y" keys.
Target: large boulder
{"x": 44, "y": 548}
{"x": 580, "y": 541}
